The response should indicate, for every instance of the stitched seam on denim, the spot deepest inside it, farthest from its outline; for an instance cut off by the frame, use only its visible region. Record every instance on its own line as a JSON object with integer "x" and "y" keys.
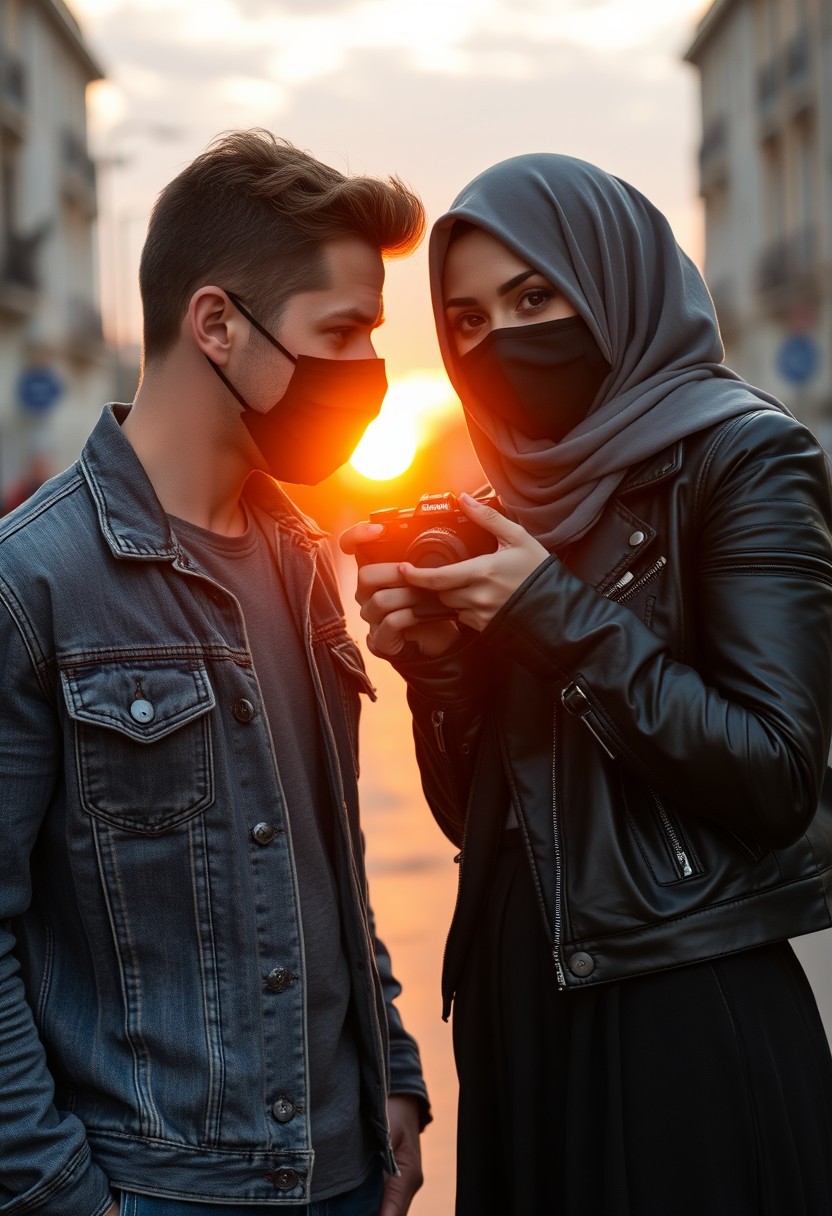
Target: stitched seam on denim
{"x": 207, "y": 952}
{"x": 149, "y": 1119}
{"x": 39, "y": 661}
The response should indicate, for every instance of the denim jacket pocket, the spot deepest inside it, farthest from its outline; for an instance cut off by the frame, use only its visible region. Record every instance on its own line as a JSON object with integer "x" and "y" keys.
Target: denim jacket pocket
{"x": 142, "y": 741}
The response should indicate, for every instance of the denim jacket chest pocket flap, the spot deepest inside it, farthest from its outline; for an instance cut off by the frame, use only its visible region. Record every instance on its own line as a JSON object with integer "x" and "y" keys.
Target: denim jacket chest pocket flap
{"x": 143, "y": 742}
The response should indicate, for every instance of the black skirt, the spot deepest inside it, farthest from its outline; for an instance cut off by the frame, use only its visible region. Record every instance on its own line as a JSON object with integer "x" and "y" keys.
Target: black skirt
{"x": 702, "y": 1091}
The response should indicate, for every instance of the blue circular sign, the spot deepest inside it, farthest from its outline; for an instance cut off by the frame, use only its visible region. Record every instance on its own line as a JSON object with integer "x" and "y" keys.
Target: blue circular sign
{"x": 798, "y": 359}
{"x": 39, "y": 388}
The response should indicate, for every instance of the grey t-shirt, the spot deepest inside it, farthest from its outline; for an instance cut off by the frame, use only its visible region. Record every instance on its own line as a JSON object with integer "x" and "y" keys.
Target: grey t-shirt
{"x": 247, "y": 567}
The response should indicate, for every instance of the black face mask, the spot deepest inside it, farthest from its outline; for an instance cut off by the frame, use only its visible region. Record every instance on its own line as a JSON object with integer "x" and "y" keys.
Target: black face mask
{"x": 540, "y": 378}
{"x": 315, "y": 426}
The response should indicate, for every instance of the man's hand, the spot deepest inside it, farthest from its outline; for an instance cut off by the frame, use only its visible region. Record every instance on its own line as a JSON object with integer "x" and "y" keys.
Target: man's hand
{"x": 403, "y": 1114}
{"x": 391, "y": 607}
{"x": 477, "y": 588}
{"x": 113, "y": 1209}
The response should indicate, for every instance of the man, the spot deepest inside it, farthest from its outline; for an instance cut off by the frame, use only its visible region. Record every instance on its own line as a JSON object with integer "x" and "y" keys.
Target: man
{"x": 195, "y": 1013}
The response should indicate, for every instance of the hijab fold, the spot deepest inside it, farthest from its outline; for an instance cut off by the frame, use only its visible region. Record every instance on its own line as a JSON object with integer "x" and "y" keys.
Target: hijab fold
{"x": 614, "y": 257}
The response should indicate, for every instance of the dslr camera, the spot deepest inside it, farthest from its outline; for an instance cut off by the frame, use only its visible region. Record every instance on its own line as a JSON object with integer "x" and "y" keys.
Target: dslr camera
{"x": 436, "y": 532}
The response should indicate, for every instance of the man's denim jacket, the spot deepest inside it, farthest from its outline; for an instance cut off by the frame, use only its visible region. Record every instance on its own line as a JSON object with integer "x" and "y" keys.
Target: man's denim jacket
{"x": 139, "y": 896}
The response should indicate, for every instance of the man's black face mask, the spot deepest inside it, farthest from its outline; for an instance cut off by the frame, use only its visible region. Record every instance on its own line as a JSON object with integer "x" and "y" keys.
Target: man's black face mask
{"x": 316, "y": 425}
{"x": 542, "y": 379}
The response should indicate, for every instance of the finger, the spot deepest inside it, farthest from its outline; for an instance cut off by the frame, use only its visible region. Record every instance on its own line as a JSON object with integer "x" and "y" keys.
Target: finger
{"x": 359, "y": 534}
{"x": 398, "y": 1195}
{"x": 442, "y": 578}
{"x": 492, "y": 521}
{"x": 388, "y": 636}
{"x": 376, "y": 578}
{"x": 393, "y": 599}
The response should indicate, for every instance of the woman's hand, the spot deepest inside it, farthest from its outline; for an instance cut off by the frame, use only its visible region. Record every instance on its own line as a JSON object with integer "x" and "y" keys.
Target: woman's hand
{"x": 476, "y": 589}
{"x": 391, "y": 607}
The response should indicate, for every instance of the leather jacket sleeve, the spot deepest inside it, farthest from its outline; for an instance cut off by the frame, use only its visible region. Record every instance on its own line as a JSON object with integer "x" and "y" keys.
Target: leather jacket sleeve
{"x": 732, "y": 718}
{"x": 448, "y": 698}
{"x": 46, "y": 1168}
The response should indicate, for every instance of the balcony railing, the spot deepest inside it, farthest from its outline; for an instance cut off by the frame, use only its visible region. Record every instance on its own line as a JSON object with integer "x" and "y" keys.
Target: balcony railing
{"x": 798, "y": 60}
{"x": 75, "y": 158}
{"x": 12, "y": 79}
{"x": 19, "y": 263}
{"x": 768, "y": 86}
{"x": 714, "y": 141}
{"x": 790, "y": 262}
{"x": 84, "y": 323}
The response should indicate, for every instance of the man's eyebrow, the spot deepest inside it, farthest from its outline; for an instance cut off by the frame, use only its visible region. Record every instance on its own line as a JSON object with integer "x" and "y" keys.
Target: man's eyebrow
{"x": 470, "y": 302}
{"x": 355, "y": 314}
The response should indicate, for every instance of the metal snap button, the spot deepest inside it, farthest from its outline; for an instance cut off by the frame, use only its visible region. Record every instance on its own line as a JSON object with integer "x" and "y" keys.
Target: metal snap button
{"x": 283, "y": 1110}
{"x": 263, "y": 833}
{"x": 243, "y": 710}
{"x": 142, "y": 711}
{"x": 636, "y": 539}
{"x": 581, "y": 964}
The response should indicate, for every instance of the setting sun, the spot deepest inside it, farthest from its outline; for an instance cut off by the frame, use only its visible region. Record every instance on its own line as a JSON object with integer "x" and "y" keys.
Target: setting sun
{"x": 390, "y": 441}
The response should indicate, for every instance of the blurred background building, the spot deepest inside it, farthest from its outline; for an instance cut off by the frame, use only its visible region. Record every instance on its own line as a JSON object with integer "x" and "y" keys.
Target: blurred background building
{"x": 766, "y": 180}
{"x": 54, "y": 366}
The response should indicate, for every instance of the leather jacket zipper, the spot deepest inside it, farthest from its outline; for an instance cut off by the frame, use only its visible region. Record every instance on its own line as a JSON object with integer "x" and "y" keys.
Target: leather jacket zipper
{"x": 682, "y": 863}
{"x": 628, "y": 585}
{"x": 557, "y": 927}
{"x": 437, "y": 721}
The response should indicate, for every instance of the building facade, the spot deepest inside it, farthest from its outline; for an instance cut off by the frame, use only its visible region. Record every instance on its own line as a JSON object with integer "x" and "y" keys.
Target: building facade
{"x": 55, "y": 371}
{"x": 766, "y": 181}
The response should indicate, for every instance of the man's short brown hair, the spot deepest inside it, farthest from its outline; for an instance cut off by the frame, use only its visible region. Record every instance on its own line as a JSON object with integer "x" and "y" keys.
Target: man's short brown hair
{"x": 251, "y": 214}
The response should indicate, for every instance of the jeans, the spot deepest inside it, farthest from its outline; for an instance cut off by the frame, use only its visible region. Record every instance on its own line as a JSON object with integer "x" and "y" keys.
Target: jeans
{"x": 364, "y": 1200}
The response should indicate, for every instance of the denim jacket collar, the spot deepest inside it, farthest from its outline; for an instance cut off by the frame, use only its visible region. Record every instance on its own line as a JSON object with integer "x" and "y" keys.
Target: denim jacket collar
{"x": 132, "y": 519}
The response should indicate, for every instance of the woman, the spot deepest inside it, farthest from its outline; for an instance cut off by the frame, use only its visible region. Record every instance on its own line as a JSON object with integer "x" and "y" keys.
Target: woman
{"x": 625, "y": 724}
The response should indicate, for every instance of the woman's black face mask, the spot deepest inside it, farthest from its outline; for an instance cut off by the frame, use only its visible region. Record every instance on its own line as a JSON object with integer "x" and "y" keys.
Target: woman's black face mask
{"x": 542, "y": 379}
{"x": 316, "y": 425}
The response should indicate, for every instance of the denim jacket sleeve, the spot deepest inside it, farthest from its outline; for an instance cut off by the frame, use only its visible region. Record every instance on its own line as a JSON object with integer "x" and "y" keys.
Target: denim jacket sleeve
{"x": 45, "y": 1166}
{"x": 405, "y": 1062}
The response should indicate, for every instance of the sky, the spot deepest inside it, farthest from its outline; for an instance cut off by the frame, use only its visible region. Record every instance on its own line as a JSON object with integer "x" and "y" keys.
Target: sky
{"x": 433, "y": 91}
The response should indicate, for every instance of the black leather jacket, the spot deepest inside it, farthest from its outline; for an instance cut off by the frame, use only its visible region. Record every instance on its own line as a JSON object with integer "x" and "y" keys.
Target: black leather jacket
{"x": 656, "y": 705}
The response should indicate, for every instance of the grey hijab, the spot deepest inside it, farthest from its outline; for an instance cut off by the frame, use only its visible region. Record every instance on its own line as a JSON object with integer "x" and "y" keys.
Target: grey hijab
{"x": 613, "y": 256}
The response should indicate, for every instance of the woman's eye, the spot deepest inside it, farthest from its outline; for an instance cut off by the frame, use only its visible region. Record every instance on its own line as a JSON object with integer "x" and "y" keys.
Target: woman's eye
{"x": 535, "y": 297}
{"x": 468, "y": 322}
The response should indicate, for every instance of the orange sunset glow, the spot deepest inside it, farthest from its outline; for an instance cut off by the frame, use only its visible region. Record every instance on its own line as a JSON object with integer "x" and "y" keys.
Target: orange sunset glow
{"x": 412, "y": 404}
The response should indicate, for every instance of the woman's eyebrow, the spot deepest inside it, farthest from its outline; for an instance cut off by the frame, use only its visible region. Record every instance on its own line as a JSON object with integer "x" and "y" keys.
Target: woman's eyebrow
{"x": 515, "y": 282}
{"x": 470, "y": 302}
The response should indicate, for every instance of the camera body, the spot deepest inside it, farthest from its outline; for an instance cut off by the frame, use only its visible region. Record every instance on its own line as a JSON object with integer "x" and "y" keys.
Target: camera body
{"x": 436, "y": 532}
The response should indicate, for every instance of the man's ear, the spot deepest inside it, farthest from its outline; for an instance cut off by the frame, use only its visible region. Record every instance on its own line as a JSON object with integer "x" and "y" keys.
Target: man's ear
{"x": 214, "y": 324}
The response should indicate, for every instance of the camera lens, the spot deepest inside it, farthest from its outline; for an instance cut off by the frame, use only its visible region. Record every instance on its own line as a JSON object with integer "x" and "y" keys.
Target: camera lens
{"x": 436, "y": 547}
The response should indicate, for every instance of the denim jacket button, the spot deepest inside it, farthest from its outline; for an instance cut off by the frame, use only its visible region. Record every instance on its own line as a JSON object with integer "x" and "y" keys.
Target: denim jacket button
{"x": 243, "y": 710}
{"x": 284, "y": 1110}
{"x": 285, "y": 1180}
{"x": 263, "y": 833}
{"x": 142, "y": 711}
{"x": 636, "y": 538}
{"x": 279, "y": 979}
